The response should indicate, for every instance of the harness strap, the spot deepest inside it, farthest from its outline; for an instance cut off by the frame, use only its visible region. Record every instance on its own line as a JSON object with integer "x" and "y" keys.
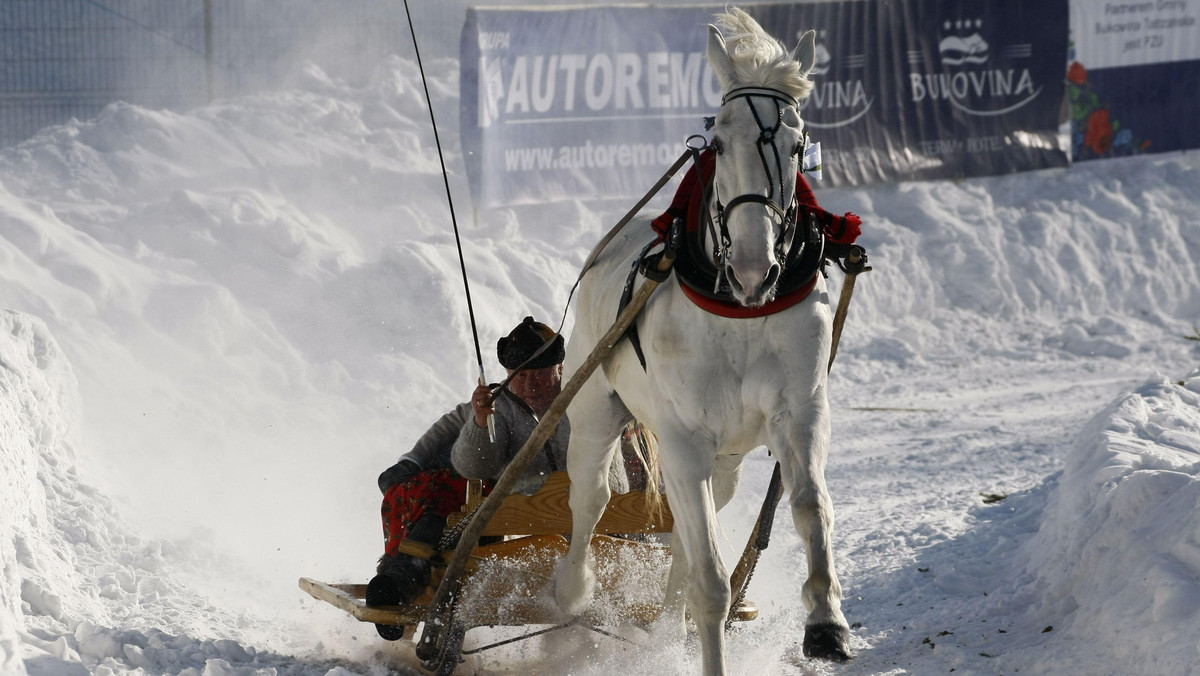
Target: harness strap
{"x": 627, "y": 295}
{"x": 689, "y": 152}
{"x": 738, "y": 92}
{"x": 689, "y": 198}
{"x": 757, "y": 199}
{"x": 830, "y": 237}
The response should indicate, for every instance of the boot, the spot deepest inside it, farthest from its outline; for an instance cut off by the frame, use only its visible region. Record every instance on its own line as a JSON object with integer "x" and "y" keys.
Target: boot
{"x": 400, "y": 580}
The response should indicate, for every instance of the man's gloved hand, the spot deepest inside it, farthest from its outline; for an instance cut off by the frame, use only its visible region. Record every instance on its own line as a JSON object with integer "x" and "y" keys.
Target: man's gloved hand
{"x": 397, "y": 473}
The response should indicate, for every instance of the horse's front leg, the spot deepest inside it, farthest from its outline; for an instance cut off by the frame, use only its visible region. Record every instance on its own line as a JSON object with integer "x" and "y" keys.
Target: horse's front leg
{"x": 594, "y": 440}
{"x": 800, "y": 440}
{"x": 687, "y": 471}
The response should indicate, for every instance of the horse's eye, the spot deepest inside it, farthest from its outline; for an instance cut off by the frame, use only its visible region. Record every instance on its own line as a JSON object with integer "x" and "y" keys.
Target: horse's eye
{"x": 716, "y": 145}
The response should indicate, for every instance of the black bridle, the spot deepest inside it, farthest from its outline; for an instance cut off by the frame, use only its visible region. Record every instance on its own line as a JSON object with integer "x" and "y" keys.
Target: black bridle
{"x": 719, "y": 230}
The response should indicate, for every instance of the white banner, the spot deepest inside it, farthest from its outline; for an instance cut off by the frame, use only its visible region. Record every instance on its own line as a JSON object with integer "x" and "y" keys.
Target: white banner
{"x": 1113, "y": 33}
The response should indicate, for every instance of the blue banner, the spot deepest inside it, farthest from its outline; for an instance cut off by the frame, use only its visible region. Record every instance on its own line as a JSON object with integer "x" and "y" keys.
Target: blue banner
{"x": 596, "y": 102}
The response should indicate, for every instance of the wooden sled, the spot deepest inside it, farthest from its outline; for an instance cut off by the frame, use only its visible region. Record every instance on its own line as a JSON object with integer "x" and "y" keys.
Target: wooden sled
{"x": 543, "y": 519}
{"x": 507, "y": 583}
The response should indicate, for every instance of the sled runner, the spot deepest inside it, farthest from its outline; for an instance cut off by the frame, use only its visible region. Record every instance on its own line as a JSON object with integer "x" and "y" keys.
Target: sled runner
{"x": 507, "y": 583}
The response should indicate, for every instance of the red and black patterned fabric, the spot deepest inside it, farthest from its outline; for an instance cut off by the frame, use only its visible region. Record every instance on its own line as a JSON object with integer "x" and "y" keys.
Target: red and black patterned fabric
{"x": 440, "y": 491}
{"x": 689, "y": 197}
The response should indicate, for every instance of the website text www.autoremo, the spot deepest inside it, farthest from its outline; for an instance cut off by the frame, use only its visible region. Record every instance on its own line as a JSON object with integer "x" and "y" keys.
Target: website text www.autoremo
{"x": 590, "y": 156}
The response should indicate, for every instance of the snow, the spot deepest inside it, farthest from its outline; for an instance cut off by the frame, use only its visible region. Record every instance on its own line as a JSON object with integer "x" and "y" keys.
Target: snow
{"x": 218, "y": 327}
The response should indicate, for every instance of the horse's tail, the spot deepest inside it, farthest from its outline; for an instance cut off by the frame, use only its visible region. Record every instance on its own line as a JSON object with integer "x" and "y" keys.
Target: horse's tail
{"x": 645, "y": 446}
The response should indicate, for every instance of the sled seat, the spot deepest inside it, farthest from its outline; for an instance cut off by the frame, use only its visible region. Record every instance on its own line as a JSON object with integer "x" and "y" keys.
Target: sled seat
{"x": 547, "y": 512}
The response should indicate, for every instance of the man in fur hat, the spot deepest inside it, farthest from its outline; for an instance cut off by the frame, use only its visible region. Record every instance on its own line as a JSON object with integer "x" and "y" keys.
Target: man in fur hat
{"x": 429, "y": 482}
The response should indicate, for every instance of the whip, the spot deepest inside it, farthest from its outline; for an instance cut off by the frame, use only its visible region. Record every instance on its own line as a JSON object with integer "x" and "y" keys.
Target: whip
{"x": 462, "y": 264}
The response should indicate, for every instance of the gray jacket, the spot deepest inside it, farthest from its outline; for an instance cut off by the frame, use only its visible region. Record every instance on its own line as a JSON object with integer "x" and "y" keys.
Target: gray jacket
{"x": 455, "y": 441}
{"x": 476, "y": 457}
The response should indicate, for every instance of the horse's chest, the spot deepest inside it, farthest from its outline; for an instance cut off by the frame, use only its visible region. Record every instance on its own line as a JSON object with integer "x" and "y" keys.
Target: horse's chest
{"x": 712, "y": 376}
{"x": 705, "y": 353}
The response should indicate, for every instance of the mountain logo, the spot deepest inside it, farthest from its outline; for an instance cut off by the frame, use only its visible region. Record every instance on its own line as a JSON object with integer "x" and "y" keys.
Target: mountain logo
{"x": 957, "y": 50}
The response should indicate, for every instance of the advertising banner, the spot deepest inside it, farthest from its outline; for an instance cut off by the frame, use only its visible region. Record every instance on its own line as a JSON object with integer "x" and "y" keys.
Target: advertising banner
{"x": 1133, "y": 77}
{"x": 580, "y": 103}
{"x": 596, "y": 102}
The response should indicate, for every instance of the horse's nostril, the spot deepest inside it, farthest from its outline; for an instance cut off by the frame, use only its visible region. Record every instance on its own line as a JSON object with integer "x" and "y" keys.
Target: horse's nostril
{"x": 772, "y": 277}
{"x": 731, "y": 276}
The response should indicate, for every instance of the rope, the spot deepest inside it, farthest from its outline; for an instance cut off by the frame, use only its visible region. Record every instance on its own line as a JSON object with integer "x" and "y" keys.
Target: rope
{"x": 451, "y": 535}
{"x": 689, "y": 153}
{"x": 573, "y": 623}
{"x": 740, "y": 594}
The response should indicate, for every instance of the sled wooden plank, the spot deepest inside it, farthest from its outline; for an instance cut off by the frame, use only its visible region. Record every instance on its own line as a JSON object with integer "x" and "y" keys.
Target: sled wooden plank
{"x": 349, "y": 597}
{"x": 547, "y": 512}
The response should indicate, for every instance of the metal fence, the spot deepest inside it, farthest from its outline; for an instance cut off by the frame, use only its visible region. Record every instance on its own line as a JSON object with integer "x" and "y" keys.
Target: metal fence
{"x": 63, "y": 59}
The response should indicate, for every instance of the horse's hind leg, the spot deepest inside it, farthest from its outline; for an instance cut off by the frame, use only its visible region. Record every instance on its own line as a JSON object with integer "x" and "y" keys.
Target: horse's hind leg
{"x": 672, "y": 624}
{"x": 801, "y": 443}
{"x": 727, "y": 472}
{"x": 594, "y": 440}
{"x": 687, "y": 471}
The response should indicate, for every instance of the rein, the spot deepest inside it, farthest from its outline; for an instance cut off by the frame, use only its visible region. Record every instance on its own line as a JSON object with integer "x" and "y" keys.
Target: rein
{"x": 690, "y": 152}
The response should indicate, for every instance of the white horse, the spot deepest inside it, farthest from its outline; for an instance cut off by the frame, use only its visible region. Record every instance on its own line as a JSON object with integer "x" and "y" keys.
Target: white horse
{"x": 715, "y": 388}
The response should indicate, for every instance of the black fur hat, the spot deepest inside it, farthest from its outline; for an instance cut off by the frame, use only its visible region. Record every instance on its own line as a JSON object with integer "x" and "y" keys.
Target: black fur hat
{"x": 523, "y": 341}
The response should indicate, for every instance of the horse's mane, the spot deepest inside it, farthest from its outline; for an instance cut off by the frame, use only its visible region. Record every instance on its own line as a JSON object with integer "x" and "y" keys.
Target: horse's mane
{"x": 758, "y": 58}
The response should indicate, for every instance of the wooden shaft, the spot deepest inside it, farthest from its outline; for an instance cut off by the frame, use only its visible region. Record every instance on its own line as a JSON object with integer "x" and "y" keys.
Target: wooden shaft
{"x": 746, "y": 564}
{"x": 839, "y": 317}
{"x": 541, "y": 434}
{"x": 474, "y": 495}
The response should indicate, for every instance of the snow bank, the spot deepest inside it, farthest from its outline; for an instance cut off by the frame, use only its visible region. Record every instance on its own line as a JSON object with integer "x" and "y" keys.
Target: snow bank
{"x": 231, "y": 280}
{"x": 264, "y": 294}
{"x": 1092, "y": 260}
{"x": 56, "y": 534}
{"x": 1117, "y": 558}
{"x": 38, "y": 406}
{"x": 78, "y": 591}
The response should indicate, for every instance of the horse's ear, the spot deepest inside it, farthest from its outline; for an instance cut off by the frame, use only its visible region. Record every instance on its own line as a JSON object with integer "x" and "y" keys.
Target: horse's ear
{"x": 805, "y": 52}
{"x": 718, "y": 58}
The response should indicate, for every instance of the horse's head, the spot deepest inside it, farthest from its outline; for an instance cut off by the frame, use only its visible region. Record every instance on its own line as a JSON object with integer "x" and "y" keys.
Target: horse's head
{"x": 758, "y": 138}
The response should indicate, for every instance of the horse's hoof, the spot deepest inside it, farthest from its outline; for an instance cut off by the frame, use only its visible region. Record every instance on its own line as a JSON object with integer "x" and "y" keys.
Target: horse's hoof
{"x": 827, "y": 642}
{"x": 668, "y": 629}
{"x": 573, "y": 590}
